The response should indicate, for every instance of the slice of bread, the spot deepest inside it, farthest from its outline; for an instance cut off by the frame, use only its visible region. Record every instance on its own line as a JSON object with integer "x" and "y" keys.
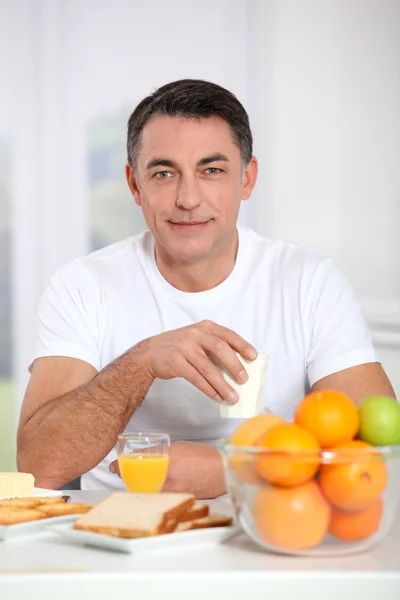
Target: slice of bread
{"x": 133, "y": 515}
{"x": 196, "y": 512}
{"x": 14, "y": 515}
{"x": 204, "y": 522}
{"x": 50, "y": 499}
{"x": 59, "y": 509}
{"x": 170, "y": 526}
{"x": 30, "y": 502}
{"x": 18, "y": 503}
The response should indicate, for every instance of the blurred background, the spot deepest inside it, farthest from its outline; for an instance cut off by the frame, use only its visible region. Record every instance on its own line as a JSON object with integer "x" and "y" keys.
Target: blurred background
{"x": 320, "y": 80}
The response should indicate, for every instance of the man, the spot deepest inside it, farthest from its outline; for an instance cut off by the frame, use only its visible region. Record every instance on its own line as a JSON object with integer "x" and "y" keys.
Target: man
{"x": 128, "y": 334}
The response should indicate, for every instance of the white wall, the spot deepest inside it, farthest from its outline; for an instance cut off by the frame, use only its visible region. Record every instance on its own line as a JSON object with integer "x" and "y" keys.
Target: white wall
{"x": 331, "y": 145}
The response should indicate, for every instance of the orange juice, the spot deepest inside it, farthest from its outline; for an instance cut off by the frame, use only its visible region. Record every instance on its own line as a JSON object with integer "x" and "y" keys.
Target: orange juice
{"x": 143, "y": 472}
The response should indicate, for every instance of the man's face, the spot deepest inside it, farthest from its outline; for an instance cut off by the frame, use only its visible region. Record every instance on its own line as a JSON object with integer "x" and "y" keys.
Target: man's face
{"x": 189, "y": 183}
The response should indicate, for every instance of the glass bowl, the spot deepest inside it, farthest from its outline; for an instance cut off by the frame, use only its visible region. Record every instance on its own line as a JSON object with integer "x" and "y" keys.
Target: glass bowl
{"x": 327, "y": 503}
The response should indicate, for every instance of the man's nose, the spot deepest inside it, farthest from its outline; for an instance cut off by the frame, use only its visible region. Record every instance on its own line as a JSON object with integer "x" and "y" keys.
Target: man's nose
{"x": 188, "y": 194}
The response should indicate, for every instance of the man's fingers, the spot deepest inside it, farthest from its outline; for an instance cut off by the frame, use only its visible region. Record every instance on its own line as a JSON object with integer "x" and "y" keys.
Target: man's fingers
{"x": 198, "y": 369}
{"x": 226, "y": 357}
{"x": 234, "y": 340}
{"x": 204, "y": 366}
{"x": 114, "y": 468}
{"x": 191, "y": 374}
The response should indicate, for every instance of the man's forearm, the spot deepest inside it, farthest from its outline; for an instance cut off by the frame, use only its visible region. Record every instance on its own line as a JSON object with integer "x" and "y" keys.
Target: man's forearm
{"x": 70, "y": 435}
{"x": 196, "y": 468}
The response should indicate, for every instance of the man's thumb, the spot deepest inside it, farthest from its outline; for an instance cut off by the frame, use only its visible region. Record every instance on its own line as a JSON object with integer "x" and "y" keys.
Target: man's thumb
{"x": 114, "y": 467}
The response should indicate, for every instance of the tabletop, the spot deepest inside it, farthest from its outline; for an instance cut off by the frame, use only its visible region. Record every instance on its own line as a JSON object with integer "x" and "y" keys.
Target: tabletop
{"x": 45, "y": 566}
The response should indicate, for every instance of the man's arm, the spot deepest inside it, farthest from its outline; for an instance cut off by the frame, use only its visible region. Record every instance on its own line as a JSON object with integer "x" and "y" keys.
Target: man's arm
{"x": 72, "y": 415}
{"x": 358, "y": 382}
{"x": 195, "y": 468}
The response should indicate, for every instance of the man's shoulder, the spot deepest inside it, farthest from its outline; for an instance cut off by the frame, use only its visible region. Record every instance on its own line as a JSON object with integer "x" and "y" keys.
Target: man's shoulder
{"x": 284, "y": 255}
{"x": 111, "y": 261}
{"x": 118, "y": 252}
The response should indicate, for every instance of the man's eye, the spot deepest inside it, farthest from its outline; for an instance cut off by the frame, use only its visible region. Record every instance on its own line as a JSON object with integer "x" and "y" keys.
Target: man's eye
{"x": 213, "y": 170}
{"x": 162, "y": 175}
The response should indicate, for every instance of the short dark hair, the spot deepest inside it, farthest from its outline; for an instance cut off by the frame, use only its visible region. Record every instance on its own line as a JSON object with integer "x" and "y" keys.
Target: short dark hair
{"x": 191, "y": 98}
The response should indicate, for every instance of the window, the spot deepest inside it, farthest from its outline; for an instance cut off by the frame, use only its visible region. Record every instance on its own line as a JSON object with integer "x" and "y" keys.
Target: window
{"x": 113, "y": 213}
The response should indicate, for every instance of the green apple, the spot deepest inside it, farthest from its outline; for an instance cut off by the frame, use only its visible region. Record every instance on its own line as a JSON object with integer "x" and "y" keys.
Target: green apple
{"x": 379, "y": 421}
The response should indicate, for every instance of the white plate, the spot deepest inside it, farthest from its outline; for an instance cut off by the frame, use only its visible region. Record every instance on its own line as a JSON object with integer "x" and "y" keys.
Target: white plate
{"x": 38, "y": 492}
{"x": 157, "y": 543}
{"x": 8, "y": 532}
{"x": 51, "y": 493}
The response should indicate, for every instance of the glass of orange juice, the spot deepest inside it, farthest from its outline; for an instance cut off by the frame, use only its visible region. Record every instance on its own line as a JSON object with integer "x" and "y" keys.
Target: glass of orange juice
{"x": 143, "y": 460}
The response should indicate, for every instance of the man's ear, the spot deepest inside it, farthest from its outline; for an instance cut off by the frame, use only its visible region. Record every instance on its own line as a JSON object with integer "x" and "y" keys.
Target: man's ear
{"x": 250, "y": 178}
{"x": 132, "y": 182}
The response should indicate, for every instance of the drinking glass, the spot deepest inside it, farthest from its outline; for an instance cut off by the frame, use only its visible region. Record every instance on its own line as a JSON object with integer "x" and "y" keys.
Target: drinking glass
{"x": 143, "y": 460}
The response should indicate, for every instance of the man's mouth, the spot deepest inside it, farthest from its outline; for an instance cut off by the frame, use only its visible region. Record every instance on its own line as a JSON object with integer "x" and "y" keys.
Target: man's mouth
{"x": 188, "y": 225}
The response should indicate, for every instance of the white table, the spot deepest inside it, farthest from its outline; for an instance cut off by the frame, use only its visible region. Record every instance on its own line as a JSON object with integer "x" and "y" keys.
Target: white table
{"x": 45, "y": 567}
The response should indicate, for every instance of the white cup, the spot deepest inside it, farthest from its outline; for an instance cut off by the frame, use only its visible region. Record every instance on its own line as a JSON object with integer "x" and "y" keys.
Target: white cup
{"x": 250, "y": 393}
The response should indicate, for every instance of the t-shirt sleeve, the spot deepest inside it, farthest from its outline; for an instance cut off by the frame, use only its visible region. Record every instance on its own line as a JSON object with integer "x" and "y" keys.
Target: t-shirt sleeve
{"x": 67, "y": 320}
{"x": 338, "y": 334}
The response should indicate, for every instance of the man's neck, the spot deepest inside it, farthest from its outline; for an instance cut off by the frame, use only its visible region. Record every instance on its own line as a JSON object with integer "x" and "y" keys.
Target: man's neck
{"x": 202, "y": 275}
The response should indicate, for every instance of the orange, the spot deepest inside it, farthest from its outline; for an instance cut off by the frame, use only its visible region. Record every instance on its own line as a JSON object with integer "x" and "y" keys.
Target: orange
{"x": 330, "y": 415}
{"x": 247, "y": 434}
{"x": 252, "y": 429}
{"x": 291, "y": 518}
{"x": 350, "y": 526}
{"x": 295, "y": 460}
{"x": 244, "y": 465}
{"x": 356, "y": 479}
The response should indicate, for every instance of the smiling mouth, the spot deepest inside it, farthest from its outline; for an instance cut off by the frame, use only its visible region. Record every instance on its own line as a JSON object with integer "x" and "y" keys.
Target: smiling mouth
{"x": 188, "y": 224}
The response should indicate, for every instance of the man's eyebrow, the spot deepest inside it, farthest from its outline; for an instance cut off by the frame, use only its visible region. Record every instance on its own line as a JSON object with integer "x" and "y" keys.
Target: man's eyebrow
{"x": 165, "y": 162}
{"x": 160, "y": 162}
{"x": 212, "y": 158}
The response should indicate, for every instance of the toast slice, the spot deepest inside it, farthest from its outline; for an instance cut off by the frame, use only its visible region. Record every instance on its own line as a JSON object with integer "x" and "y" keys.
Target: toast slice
{"x": 196, "y": 512}
{"x": 14, "y": 515}
{"x": 50, "y": 499}
{"x": 204, "y": 522}
{"x": 134, "y": 515}
{"x": 18, "y": 503}
{"x": 59, "y": 509}
{"x": 30, "y": 502}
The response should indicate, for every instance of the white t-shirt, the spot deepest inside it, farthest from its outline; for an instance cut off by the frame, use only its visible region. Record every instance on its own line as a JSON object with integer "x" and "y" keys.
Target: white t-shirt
{"x": 284, "y": 300}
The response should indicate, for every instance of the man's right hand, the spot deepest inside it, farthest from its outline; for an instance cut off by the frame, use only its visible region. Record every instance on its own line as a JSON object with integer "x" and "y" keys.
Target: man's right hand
{"x": 188, "y": 352}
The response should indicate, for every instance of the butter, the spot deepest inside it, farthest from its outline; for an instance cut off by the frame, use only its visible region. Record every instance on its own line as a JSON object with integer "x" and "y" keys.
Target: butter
{"x": 17, "y": 484}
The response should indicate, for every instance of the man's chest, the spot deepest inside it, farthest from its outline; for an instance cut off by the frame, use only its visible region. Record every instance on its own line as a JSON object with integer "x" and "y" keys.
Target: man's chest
{"x": 269, "y": 326}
